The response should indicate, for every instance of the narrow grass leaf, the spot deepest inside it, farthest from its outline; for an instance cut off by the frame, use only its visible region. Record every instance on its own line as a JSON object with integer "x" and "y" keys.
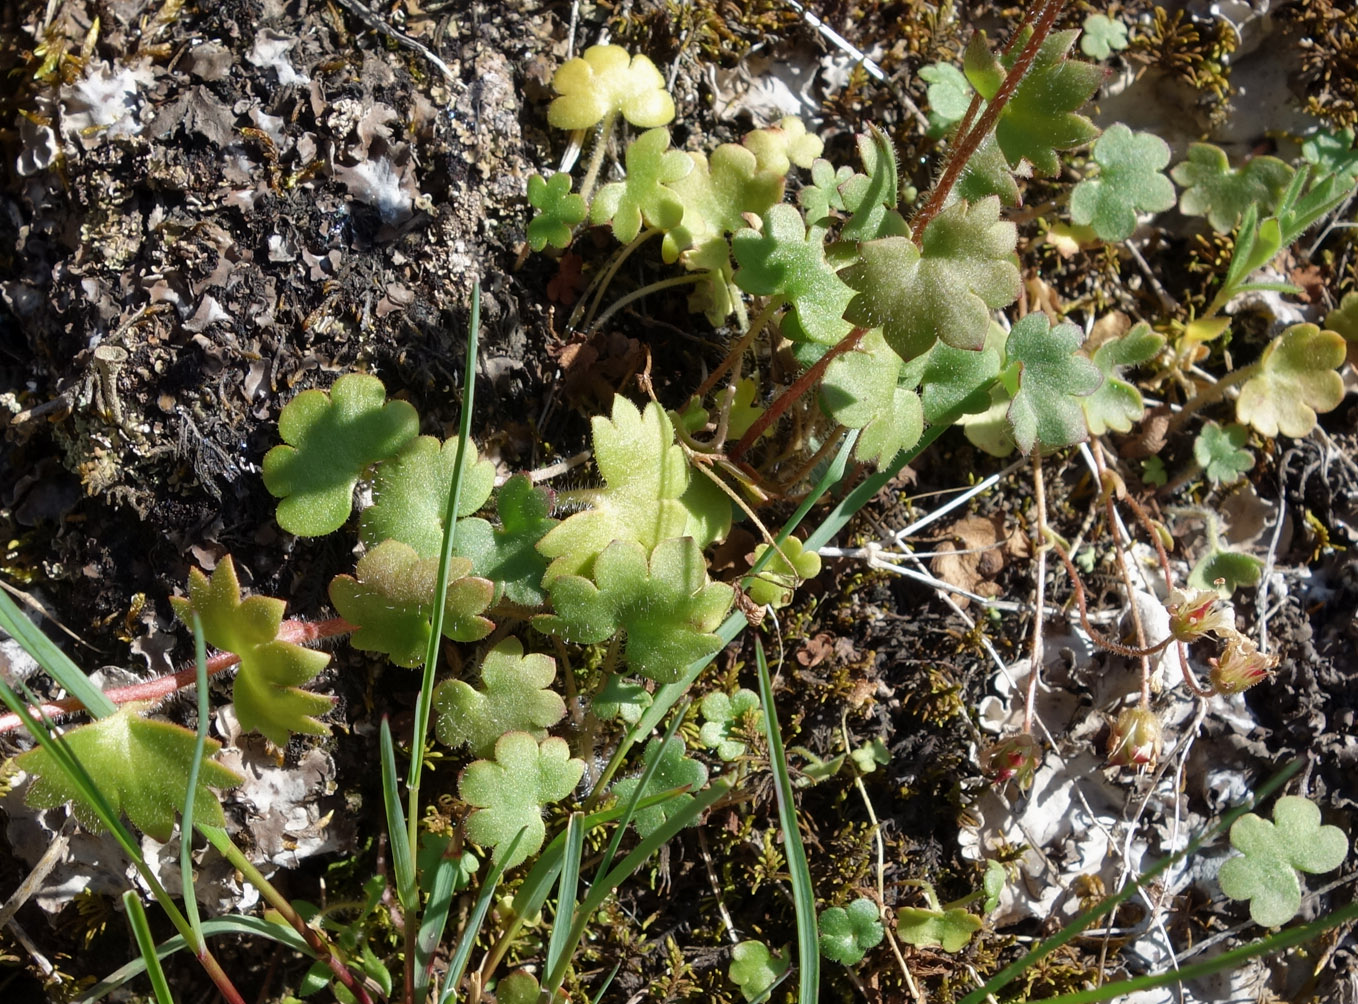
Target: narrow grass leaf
{"x": 199, "y": 750}
{"x": 55, "y": 663}
{"x": 434, "y": 920}
{"x": 799, "y": 874}
{"x": 252, "y": 926}
{"x": 630, "y": 807}
{"x": 567, "y": 889}
{"x": 146, "y": 944}
{"x": 458, "y": 965}
{"x": 401, "y": 859}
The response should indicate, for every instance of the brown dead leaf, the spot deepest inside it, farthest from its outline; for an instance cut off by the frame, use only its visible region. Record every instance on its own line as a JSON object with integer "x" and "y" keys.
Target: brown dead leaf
{"x": 981, "y": 544}
{"x": 817, "y": 650}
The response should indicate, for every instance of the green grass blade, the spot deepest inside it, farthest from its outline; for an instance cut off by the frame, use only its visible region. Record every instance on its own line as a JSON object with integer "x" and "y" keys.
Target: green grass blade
{"x": 401, "y": 860}
{"x": 424, "y": 705}
{"x": 567, "y": 890}
{"x": 255, "y": 926}
{"x": 55, "y": 663}
{"x": 199, "y": 750}
{"x": 603, "y": 888}
{"x": 1074, "y": 929}
{"x": 799, "y": 874}
{"x": 1276, "y": 942}
{"x": 630, "y": 809}
{"x": 458, "y": 965}
{"x": 146, "y": 944}
{"x": 434, "y": 920}
{"x": 607, "y": 983}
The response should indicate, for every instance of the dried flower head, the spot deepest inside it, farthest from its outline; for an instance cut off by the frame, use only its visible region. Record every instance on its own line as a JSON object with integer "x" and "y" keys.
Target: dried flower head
{"x": 1197, "y": 613}
{"x": 1012, "y": 758}
{"x": 1241, "y": 666}
{"x": 1136, "y": 738}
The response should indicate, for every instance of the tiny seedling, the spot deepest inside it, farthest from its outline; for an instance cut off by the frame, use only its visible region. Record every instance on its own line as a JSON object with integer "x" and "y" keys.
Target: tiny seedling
{"x": 846, "y": 933}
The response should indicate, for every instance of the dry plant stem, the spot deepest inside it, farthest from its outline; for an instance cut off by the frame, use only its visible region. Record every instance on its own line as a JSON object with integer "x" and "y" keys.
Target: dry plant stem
{"x": 760, "y": 321}
{"x": 881, "y": 862}
{"x": 1126, "y": 575}
{"x": 1098, "y": 639}
{"x": 1043, "y": 543}
{"x": 298, "y": 632}
{"x": 1209, "y": 395}
{"x": 594, "y": 295}
{"x": 647, "y": 290}
{"x": 803, "y": 383}
{"x": 1145, "y": 520}
{"x": 968, "y": 143}
{"x": 319, "y": 943}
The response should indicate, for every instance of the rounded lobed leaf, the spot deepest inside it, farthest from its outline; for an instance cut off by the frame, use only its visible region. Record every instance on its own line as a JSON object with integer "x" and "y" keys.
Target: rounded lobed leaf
{"x": 944, "y": 289}
{"x": 846, "y": 934}
{"x": 514, "y": 698}
{"x": 559, "y": 211}
{"x": 1046, "y": 410}
{"x": 673, "y": 770}
{"x": 1298, "y": 377}
{"x": 1214, "y": 189}
{"x": 411, "y": 490}
{"x": 1129, "y": 181}
{"x": 142, "y": 767}
{"x": 330, "y": 439}
{"x": 605, "y": 81}
{"x": 510, "y": 792}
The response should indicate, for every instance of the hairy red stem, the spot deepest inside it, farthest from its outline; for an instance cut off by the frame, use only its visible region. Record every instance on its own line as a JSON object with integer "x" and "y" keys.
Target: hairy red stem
{"x": 297, "y": 632}
{"x": 968, "y": 144}
{"x": 800, "y": 387}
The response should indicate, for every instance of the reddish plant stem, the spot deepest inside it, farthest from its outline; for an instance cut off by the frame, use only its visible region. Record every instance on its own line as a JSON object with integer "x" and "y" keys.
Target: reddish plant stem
{"x": 218, "y": 976}
{"x": 969, "y": 143}
{"x": 297, "y": 632}
{"x": 803, "y": 383}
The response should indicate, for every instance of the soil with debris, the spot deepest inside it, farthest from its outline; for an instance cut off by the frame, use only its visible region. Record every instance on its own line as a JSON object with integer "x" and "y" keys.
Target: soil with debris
{"x": 207, "y": 208}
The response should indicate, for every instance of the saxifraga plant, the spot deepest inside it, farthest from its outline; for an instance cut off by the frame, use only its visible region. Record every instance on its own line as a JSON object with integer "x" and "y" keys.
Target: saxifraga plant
{"x": 890, "y": 315}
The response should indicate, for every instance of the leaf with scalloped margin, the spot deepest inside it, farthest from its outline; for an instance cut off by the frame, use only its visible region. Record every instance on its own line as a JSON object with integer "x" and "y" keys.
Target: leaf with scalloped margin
{"x": 950, "y": 930}
{"x": 675, "y": 770}
{"x": 667, "y": 606}
{"x": 1273, "y": 853}
{"x": 411, "y": 492}
{"x": 508, "y": 554}
{"x": 944, "y": 289}
{"x": 950, "y": 377}
{"x": 871, "y": 198}
{"x": 1129, "y": 181}
{"x": 777, "y": 147}
{"x": 1117, "y": 404}
{"x": 822, "y": 195}
{"x": 987, "y": 173}
{"x": 142, "y": 767}
{"x": 514, "y": 698}
{"x": 895, "y": 429}
{"x": 511, "y": 791}
{"x": 786, "y": 259}
{"x": 948, "y": 96}
{"x": 331, "y": 438}
{"x": 606, "y": 80}
{"x": 716, "y": 194}
{"x": 559, "y": 211}
{"x": 1102, "y": 35}
{"x": 857, "y": 383}
{"x": 1040, "y": 118}
{"x": 391, "y": 598}
{"x": 846, "y": 933}
{"x": 1214, "y": 189}
{"x": 646, "y": 193}
{"x": 1298, "y": 377}
{"x": 729, "y": 718}
{"x": 1219, "y": 451}
{"x": 1053, "y": 378}
{"x": 265, "y": 691}
{"x": 621, "y": 697}
{"x": 648, "y": 494}
{"x": 754, "y": 969}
